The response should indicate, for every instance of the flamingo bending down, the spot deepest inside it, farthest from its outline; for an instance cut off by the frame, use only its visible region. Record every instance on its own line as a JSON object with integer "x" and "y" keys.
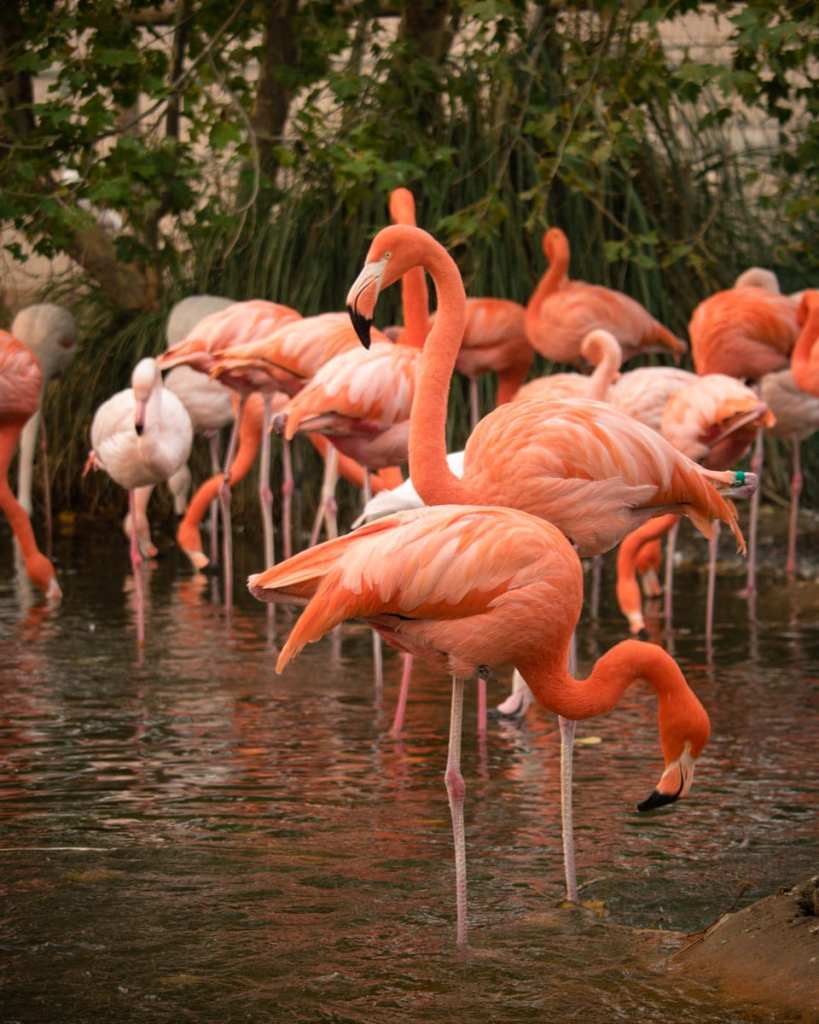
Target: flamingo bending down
{"x": 471, "y": 588}
{"x": 582, "y": 465}
{"x": 21, "y": 384}
{"x": 50, "y": 332}
{"x": 140, "y": 436}
{"x": 561, "y": 312}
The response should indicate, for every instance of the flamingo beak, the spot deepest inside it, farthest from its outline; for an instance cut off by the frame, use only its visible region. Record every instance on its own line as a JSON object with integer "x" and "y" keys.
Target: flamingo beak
{"x": 139, "y": 417}
{"x": 53, "y": 592}
{"x": 363, "y": 296}
{"x": 674, "y": 783}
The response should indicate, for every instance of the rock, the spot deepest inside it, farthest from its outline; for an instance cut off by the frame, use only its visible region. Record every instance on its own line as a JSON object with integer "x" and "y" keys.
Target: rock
{"x": 767, "y": 953}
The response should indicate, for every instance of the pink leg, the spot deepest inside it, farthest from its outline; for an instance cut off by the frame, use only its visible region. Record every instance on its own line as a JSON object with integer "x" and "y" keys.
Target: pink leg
{"x": 793, "y": 519}
{"x": 265, "y": 494}
{"x": 287, "y": 500}
{"x": 327, "y": 503}
{"x": 670, "y": 547}
{"x": 213, "y": 442}
{"x": 378, "y": 650}
{"x": 403, "y": 693}
{"x": 136, "y": 565}
{"x": 474, "y": 403}
{"x": 567, "y": 731}
{"x": 224, "y": 501}
{"x": 481, "y": 707}
{"x": 456, "y": 791}
{"x": 757, "y": 463}
{"x": 46, "y": 490}
{"x": 713, "y": 546}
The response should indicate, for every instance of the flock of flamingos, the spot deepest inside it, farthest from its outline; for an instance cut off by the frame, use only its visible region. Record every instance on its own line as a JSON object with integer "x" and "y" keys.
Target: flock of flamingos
{"x": 474, "y": 562}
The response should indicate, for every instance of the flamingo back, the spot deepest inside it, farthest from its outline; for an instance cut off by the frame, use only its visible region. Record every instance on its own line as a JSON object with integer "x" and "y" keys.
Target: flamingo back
{"x": 494, "y": 337}
{"x": 644, "y": 392}
{"x": 796, "y": 411}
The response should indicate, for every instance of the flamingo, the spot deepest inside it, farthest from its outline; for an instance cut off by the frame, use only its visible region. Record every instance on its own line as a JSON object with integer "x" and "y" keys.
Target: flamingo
{"x": 714, "y": 420}
{"x": 805, "y": 356}
{"x": 50, "y": 332}
{"x": 797, "y": 417}
{"x": 233, "y": 325}
{"x": 587, "y": 468}
{"x": 469, "y": 588}
{"x": 561, "y": 312}
{"x": 140, "y": 436}
{"x": 21, "y": 384}
{"x": 745, "y": 331}
{"x": 644, "y": 393}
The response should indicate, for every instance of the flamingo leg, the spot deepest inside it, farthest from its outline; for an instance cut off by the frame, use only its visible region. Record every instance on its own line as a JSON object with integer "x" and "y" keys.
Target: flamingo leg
{"x": 757, "y": 463}
{"x": 46, "y": 492}
{"x": 793, "y": 518}
{"x": 136, "y": 565}
{"x": 670, "y": 546}
{"x": 481, "y": 707}
{"x": 265, "y": 493}
{"x": 327, "y": 505}
{"x": 474, "y": 402}
{"x": 287, "y": 500}
{"x": 378, "y": 650}
{"x": 403, "y": 693}
{"x": 224, "y": 501}
{"x": 567, "y": 731}
{"x": 713, "y": 546}
{"x": 597, "y": 577}
{"x": 213, "y": 442}
{"x": 456, "y": 791}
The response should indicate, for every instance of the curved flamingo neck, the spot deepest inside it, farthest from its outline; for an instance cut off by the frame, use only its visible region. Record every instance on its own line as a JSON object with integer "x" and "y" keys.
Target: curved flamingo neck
{"x": 605, "y": 373}
{"x": 38, "y": 567}
{"x": 628, "y": 589}
{"x": 433, "y": 479}
{"x": 802, "y": 351}
{"x": 611, "y": 676}
{"x": 556, "y": 249}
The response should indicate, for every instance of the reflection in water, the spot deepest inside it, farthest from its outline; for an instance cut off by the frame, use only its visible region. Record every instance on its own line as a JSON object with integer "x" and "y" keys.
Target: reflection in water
{"x": 197, "y": 838}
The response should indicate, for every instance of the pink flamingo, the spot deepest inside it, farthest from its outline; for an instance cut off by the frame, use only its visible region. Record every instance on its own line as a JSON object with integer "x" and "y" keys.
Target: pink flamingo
{"x": 561, "y": 312}
{"x": 21, "y": 384}
{"x": 469, "y": 588}
{"x": 140, "y": 437}
{"x": 601, "y": 350}
{"x": 592, "y": 471}
{"x": 805, "y": 356}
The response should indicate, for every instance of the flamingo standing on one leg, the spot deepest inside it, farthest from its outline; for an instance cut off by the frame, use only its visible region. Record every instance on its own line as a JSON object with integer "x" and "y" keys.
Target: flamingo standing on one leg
{"x": 469, "y": 588}
{"x": 50, "y": 332}
{"x": 21, "y": 385}
{"x": 140, "y": 436}
{"x": 561, "y": 312}
{"x": 589, "y": 469}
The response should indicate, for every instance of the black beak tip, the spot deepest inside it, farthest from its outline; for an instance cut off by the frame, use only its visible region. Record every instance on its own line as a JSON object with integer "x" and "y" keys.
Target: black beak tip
{"x": 139, "y": 427}
{"x": 361, "y": 325}
{"x": 655, "y": 800}
{"x": 643, "y": 634}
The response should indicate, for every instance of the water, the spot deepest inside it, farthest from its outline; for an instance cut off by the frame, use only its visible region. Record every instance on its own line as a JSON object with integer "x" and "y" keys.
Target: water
{"x": 195, "y": 838}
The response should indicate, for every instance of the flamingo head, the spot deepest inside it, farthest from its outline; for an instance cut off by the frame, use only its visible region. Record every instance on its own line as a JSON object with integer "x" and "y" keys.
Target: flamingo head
{"x": 41, "y": 573}
{"x": 684, "y": 729}
{"x": 143, "y": 381}
{"x": 394, "y": 250}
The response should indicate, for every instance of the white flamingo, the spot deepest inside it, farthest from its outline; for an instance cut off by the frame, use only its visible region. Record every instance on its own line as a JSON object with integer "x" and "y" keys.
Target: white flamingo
{"x": 140, "y": 437}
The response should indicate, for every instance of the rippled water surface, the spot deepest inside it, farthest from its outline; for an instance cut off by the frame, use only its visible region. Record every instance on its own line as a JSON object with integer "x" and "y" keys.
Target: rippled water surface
{"x": 195, "y": 838}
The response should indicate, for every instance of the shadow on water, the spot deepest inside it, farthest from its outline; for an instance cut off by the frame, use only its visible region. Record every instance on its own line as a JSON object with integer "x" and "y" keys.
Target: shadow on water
{"x": 195, "y": 838}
